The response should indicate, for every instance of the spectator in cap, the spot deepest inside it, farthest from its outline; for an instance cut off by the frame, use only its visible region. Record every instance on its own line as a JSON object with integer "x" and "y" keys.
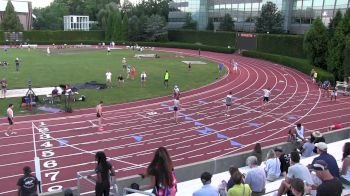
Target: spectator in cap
{"x": 329, "y": 159}
{"x": 296, "y": 170}
{"x": 207, "y": 189}
{"x": 330, "y": 185}
{"x": 27, "y": 184}
{"x": 345, "y": 170}
{"x": 256, "y": 177}
{"x": 284, "y": 159}
{"x": 316, "y": 137}
{"x": 297, "y": 187}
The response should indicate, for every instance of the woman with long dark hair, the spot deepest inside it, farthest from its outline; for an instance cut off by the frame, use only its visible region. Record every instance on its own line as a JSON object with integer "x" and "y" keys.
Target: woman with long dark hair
{"x": 345, "y": 170}
{"x": 161, "y": 173}
{"x": 103, "y": 172}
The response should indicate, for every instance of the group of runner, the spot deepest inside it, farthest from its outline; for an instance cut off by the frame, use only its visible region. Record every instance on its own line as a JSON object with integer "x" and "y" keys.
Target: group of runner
{"x": 328, "y": 90}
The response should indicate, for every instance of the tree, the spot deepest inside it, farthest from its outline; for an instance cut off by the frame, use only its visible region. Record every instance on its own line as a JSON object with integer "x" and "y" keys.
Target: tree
{"x": 189, "y": 22}
{"x": 334, "y": 23}
{"x": 335, "y": 55}
{"x": 270, "y": 19}
{"x": 210, "y": 25}
{"x": 111, "y": 21}
{"x": 155, "y": 28}
{"x": 125, "y": 27}
{"x": 134, "y": 30}
{"x": 227, "y": 23}
{"x": 315, "y": 43}
{"x": 10, "y": 21}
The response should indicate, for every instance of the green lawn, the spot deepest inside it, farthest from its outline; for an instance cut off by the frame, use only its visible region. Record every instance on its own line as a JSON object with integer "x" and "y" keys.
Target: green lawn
{"x": 79, "y": 66}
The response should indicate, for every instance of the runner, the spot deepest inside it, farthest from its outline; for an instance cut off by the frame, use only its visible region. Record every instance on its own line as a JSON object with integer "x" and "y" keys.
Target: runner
{"x": 108, "y": 50}
{"x": 189, "y": 66}
{"x": 133, "y": 72}
{"x": 176, "y": 92}
{"x": 143, "y": 79}
{"x": 235, "y": 67}
{"x": 334, "y": 94}
{"x": 314, "y": 79}
{"x": 166, "y": 79}
{"x": 312, "y": 72}
{"x": 326, "y": 87}
{"x": 228, "y": 102}
{"x": 48, "y": 51}
{"x": 220, "y": 65}
{"x": 267, "y": 93}
{"x": 17, "y": 64}
{"x": 3, "y": 84}
{"x": 99, "y": 115}
{"x": 10, "y": 120}
{"x": 109, "y": 79}
{"x": 176, "y": 108}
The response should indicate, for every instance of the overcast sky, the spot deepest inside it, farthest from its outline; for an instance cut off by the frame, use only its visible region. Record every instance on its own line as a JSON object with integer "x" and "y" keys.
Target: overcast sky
{"x": 40, "y": 3}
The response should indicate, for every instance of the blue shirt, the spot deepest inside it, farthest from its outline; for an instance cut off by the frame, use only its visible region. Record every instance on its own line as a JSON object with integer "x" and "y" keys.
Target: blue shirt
{"x": 206, "y": 190}
{"x": 256, "y": 178}
{"x": 331, "y": 162}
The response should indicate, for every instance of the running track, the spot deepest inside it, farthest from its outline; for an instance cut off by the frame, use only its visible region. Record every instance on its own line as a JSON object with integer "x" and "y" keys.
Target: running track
{"x": 294, "y": 99}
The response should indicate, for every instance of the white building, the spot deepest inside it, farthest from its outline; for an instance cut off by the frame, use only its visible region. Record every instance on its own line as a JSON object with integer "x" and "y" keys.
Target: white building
{"x": 76, "y": 23}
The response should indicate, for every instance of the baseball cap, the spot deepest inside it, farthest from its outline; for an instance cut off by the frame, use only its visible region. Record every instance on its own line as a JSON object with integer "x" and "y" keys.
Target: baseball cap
{"x": 320, "y": 165}
{"x": 278, "y": 149}
{"x": 321, "y": 145}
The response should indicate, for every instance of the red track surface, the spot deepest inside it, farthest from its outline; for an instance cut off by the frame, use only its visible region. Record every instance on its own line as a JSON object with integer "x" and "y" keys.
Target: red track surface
{"x": 294, "y": 99}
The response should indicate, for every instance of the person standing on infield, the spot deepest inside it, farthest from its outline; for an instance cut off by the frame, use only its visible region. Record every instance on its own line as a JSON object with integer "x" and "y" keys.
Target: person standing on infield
{"x": 166, "y": 79}
{"x": 10, "y": 120}
{"x": 267, "y": 93}
{"x": 99, "y": 115}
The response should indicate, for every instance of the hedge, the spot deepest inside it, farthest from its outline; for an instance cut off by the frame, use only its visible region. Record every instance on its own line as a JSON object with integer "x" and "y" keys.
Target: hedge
{"x": 188, "y": 46}
{"x": 60, "y": 37}
{"x": 299, "y": 64}
{"x": 286, "y": 45}
{"x": 222, "y": 39}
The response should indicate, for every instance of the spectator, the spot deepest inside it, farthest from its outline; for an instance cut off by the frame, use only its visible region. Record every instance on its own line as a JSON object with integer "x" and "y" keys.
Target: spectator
{"x": 207, "y": 189}
{"x": 284, "y": 159}
{"x": 103, "y": 172}
{"x": 27, "y": 184}
{"x": 329, "y": 159}
{"x": 297, "y": 187}
{"x": 120, "y": 80}
{"x": 272, "y": 167}
{"x": 143, "y": 79}
{"x": 316, "y": 137}
{"x": 299, "y": 132}
{"x": 68, "y": 192}
{"x": 230, "y": 182}
{"x": 307, "y": 149}
{"x": 161, "y": 174}
{"x": 3, "y": 84}
{"x": 330, "y": 185}
{"x": 239, "y": 187}
{"x": 345, "y": 170}
{"x": 296, "y": 170}
{"x": 256, "y": 177}
{"x": 54, "y": 94}
{"x": 257, "y": 152}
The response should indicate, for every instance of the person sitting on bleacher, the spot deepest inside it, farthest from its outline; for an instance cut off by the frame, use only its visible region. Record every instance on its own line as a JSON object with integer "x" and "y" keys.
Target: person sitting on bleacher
{"x": 272, "y": 166}
{"x": 256, "y": 177}
{"x": 329, "y": 159}
{"x": 207, "y": 189}
{"x": 316, "y": 137}
{"x": 307, "y": 149}
{"x": 297, "y": 187}
{"x": 296, "y": 170}
{"x": 345, "y": 170}
{"x": 239, "y": 187}
{"x": 230, "y": 182}
{"x": 284, "y": 159}
{"x": 330, "y": 184}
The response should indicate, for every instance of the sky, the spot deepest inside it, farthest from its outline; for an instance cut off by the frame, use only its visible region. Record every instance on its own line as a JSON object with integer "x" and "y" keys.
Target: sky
{"x": 44, "y": 3}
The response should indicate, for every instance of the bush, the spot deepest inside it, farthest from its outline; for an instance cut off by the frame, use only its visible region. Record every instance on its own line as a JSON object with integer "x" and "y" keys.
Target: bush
{"x": 60, "y": 37}
{"x": 222, "y": 39}
{"x": 302, "y": 65}
{"x": 187, "y": 46}
{"x": 287, "y": 45}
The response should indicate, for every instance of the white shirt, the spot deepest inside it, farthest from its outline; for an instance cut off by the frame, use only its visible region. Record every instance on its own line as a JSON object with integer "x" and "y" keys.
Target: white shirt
{"x": 108, "y": 49}
{"x": 266, "y": 93}
{"x": 124, "y": 61}
{"x": 315, "y": 75}
{"x": 176, "y": 103}
{"x": 143, "y": 75}
{"x": 300, "y": 132}
{"x": 272, "y": 167}
{"x": 9, "y": 112}
{"x": 108, "y": 75}
{"x": 48, "y": 50}
{"x": 235, "y": 64}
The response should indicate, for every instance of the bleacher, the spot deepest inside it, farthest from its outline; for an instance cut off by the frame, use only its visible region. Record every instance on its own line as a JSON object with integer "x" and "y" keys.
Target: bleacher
{"x": 188, "y": 187}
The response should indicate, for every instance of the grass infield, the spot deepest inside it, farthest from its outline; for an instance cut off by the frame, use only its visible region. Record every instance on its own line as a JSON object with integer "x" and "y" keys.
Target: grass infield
{"x": 71, "y": 66}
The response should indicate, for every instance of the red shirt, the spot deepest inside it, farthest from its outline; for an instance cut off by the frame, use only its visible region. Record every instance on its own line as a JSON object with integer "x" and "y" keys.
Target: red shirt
{"x": 337, "y": 126}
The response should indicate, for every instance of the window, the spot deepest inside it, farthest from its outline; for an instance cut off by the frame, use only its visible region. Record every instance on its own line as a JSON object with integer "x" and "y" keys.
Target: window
{"x": 307, "y": 4}
{"x": 318, "y": 4}
{"x": 328, "y": 4}
{"x": 341, "y": 4}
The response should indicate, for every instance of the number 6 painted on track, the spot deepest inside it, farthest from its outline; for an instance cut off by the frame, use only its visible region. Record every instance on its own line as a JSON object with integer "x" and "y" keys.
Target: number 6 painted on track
{"x": 50, "y": 164}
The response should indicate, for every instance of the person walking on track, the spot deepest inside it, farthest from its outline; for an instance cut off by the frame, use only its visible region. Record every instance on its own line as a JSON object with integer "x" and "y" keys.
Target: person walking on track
{"x": 10, "y": 120}
{"x": 267, "y": 93}
{"x": 228, "y": 102}
{"x": 99, "y": 115}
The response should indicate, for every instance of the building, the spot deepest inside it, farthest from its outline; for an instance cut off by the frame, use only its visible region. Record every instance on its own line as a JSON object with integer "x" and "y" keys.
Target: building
{"x": 298, "y": 14}
{"x": 76, "y": 23}
{"x": 24, "y": 12}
